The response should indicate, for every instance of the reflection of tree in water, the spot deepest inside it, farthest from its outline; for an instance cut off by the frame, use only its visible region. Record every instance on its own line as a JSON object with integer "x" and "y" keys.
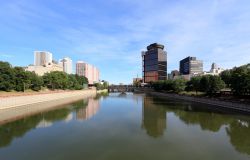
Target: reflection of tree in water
{"x": 193, "y": 113}
{"x": 102, "y": 94}
{"x": 207, "y": 120}
{"x": 154, "y": 118}
{"x": 18, "y": 128}
{"x": 239, "y": 132}
{"x": 80, "y": 104}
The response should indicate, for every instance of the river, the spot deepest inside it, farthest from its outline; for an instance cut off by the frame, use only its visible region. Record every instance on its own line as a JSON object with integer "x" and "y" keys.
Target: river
{"x": 127, "y": 126}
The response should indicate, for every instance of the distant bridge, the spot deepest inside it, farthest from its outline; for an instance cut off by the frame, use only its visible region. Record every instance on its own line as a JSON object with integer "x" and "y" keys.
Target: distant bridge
{"x": 121, "y": 88}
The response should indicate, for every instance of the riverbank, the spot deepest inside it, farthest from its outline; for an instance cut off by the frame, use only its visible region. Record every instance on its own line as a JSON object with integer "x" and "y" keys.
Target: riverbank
{"x": 29, "y": 99}
{"x": 243, "y": 108}
{"x": 13, "y": 108}
{"x": 102, "y": 91}
{"x": 4, "y": 94}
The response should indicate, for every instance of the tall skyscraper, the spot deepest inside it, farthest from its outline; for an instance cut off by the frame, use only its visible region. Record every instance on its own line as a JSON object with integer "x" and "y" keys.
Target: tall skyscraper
{"x": 87, "y": 70}
{"x": 80, "y": 67}
{"x": 66, "y": 63}
{"x": 42, "y": 58}
{"x": 191, "y": 65}
{"x": 154, "y": 63}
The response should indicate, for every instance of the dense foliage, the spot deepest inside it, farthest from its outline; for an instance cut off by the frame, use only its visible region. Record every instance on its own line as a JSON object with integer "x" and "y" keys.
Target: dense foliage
{"x": 177, "y": 85}
{"x": 101, "y": 86}
{"x": 236, "y": 79}
{"x": 20, "y": 80}
{"x": 208, "y": 84}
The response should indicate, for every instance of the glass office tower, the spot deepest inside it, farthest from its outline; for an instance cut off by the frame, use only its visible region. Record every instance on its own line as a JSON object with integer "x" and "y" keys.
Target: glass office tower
{"x": 154, "y": 63}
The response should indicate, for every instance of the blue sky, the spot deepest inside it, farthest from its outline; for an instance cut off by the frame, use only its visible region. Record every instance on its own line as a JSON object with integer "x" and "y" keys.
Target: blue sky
{"x": 111, "y": 34}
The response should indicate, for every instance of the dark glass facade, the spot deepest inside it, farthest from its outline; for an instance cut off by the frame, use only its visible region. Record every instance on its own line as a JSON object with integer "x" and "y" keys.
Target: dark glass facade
{"x": 190, "y": 65}
{"x": 154, "y": 62}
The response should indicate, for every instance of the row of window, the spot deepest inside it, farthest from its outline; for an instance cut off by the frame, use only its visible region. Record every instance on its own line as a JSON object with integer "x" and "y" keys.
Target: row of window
{"x": 151, "y": 56}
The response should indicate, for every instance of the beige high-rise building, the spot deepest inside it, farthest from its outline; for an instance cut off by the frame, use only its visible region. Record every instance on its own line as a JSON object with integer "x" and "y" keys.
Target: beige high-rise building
{"x": 42, "y": 58}
{"x": 87, "y": 70}
{"x": 66, "y": 64}
{"x": 43, "y": 63}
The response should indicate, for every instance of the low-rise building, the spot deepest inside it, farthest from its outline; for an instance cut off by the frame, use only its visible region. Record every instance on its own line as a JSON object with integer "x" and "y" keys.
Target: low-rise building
{"x": 215, "y": 70}
{"x": 41, "y": 70}
{"x": 174, "y": 74}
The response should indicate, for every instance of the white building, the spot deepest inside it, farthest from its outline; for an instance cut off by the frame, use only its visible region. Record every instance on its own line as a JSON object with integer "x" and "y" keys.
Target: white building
{"x": 66, "y": 64}
{"x": 215, "y": 70}
{"x": 42, "y": 58}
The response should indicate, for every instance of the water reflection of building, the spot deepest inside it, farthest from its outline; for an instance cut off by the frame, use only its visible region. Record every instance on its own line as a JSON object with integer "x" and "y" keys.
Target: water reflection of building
{"x": 69, "y": 117}
{"x": 44, "y": 124}
{"x": 153, "y": 118}
{"x": 90, "y": 110}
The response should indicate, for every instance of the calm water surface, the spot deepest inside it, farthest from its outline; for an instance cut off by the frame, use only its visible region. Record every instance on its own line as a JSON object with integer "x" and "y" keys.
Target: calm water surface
{"x": 123, "y": 127}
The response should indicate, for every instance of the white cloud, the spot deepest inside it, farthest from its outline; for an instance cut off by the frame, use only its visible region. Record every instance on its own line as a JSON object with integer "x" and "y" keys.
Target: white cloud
{"x": 112, "y": 34}
{"x": 6, "y": 55}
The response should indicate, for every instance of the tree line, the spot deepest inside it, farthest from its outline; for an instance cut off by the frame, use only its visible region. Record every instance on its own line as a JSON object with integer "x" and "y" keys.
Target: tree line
{"x": 16, "y": 78}
{"x": 236, "y": 79}
{"x": 101, "y": 86}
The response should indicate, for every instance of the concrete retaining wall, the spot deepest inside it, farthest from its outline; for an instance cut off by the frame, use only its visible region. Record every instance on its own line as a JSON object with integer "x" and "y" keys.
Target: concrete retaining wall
{"x": 12, "y": 102}
{"x": 229, "y": 105}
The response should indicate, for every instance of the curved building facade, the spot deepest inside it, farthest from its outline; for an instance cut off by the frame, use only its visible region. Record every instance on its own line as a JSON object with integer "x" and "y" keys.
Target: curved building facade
{"x": 154, "y": 63}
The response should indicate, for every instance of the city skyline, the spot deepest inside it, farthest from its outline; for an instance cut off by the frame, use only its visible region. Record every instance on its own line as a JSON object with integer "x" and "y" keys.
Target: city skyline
{"x": 112, "y": 35}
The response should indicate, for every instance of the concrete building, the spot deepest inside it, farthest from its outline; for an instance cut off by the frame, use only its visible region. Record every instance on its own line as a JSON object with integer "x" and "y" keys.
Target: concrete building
{"x": 191, "y": 65}
{"x": 66, "y": 64}
{"x": 154, "y": 63}
{"x": 42, "y": 58}
{"x": 43, "y": 63}
{"x": 87, "y": 70}
{"x": 174, "y": 74}
{"x": 41, "y": 70}
{"x": 215, "y": 70}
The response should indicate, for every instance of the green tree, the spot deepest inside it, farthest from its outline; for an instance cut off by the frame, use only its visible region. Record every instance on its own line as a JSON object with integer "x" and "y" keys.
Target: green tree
{"x": 73, "y": 83}
{"x": 105, "y": 85}
{"x": 158, "y": 85}
{"x": 211, "y": 84}
{"x": 7, "y": 77}
{"x": 179, "y": 85}
{"x": 204, "y": 83}
{"x": 194, "y": 84}
{"x": 226, "y": 76}
{"x": 240, "y": 80}
{"x": 22, "y": 79}
{"x": 215, "y": 84}
{"x": 168, "y": 85}
{"x": 82, "y": 80}
{"x": 56, "y": 80}
{"x": 36, "y": 82}
{"x": 99, "y": 86}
